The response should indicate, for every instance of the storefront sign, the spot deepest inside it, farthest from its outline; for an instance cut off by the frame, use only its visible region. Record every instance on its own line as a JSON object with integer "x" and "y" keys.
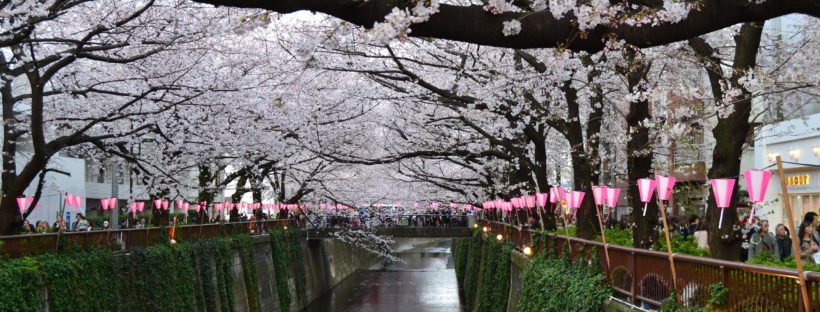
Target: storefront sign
{"x": 798, "y": 180}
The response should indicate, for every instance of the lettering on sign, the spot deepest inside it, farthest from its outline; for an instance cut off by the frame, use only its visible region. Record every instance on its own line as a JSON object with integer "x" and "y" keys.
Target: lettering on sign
{"x": 803, "y": 179}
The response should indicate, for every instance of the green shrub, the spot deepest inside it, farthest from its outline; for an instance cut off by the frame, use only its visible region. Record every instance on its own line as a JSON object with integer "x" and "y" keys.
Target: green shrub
{"x": 682, "y": 245}
{"x": 765, "y": 258}
{"x": 554, "y": 284}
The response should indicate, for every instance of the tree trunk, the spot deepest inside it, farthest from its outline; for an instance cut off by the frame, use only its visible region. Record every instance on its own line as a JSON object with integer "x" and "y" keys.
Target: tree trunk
{"x": 730, "y": 134}
{"x": 541, "y": 180}
{"x": 640, "y": 155}
{"x": 206, "y": 194}
{"x": 237, "y": 197}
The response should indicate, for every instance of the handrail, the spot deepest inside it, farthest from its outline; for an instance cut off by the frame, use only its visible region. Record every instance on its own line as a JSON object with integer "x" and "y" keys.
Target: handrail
{"x": 644, "y": 274}
{"x": 16, "y": 246}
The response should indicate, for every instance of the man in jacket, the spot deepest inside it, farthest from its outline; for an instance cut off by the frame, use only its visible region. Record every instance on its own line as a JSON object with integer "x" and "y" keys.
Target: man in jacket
{"x": 763, "y": 240}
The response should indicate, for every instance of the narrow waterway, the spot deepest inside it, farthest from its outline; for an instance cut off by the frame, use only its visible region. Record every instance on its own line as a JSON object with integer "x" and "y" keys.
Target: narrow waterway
{"x": 424, "y": 282}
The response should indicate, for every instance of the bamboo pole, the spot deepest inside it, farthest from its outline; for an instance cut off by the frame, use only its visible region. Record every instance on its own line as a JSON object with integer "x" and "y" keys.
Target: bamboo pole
{"x": 795, "y": 240}
{"x": 540, "y": 216}
{"x": 518, "y": 216}
{"x": 599, "y": 211}
{"x": 669, "y": 249}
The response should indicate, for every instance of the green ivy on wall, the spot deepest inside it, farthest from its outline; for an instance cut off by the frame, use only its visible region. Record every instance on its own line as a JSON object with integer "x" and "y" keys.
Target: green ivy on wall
{"x": 287, "y": 263}
{"x": 245, "y": 245}
{"x": 460, "y": 260}
{"x": 297, "y": 264}
{"x": 555, "y": 284}
{"x": 182, "y": 277}
{"x": 472, "y": 267}
{"x": 494, "y": 289}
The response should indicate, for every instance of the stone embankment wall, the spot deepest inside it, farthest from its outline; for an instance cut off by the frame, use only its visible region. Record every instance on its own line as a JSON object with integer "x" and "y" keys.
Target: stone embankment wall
{"x": 326, "y": 263}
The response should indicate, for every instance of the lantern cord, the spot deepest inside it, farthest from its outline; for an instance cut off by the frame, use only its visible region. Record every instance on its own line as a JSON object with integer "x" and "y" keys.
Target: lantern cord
{"x": 801, "y": 164}
{"x": 737, "y": 176}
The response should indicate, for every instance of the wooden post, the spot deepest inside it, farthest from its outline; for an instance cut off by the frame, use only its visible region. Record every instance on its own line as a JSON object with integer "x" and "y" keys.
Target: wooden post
{"x": 603, "y": 236}
{"x": 669, "y": 250}
{"x": 518, "y": 217}
{"x": 598, "y": 211}
{"x": 795, "y": 240}
{"x": 540, "y": 216}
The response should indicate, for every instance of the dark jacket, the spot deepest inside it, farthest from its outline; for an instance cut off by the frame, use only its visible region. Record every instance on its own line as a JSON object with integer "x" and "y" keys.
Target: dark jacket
{"x": 783, "y": 247}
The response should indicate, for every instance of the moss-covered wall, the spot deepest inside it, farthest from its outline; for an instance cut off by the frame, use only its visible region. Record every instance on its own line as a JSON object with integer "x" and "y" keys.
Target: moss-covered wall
{"x": 239, "y": 273}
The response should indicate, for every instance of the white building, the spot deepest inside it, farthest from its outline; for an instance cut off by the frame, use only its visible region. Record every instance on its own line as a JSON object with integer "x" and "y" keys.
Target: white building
{"x": 796, "y": 141}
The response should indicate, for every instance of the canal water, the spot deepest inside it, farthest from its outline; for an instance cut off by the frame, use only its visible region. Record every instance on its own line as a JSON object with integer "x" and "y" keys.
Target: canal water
{"x": 424, "y": 282}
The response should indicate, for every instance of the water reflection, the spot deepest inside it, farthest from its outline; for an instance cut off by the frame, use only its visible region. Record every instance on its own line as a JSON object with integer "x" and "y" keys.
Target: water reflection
{"x": 424, "y": 282}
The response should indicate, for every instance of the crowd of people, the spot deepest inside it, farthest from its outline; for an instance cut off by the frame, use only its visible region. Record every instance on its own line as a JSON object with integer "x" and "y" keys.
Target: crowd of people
{"x": 362, "y": 217}
{"x": 370, "y": 217}
{"x": 758, "y": 239}
{"x": 61, "y": 225}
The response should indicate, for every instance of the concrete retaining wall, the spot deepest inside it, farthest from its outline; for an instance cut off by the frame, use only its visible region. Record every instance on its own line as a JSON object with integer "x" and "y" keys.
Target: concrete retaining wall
{"x": 327, "y": 262}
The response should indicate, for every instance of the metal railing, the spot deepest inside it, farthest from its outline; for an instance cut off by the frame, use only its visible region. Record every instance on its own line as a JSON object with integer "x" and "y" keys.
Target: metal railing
{"x": 17, "y": 246}
{"x": 644, "y": 276}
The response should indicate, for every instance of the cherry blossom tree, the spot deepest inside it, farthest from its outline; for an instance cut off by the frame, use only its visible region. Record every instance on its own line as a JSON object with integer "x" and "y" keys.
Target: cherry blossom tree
{"x": 577, "y": 26}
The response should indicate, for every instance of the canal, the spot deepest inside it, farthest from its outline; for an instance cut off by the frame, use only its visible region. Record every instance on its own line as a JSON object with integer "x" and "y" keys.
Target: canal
{"x": 424, "y": 282}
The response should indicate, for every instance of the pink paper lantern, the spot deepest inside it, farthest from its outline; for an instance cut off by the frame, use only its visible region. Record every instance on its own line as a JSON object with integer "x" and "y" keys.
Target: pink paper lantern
{"x": 158, "y": 204}
{"x": 722, "y": 188}
{"x": 757, "y": 181}
{"x": 165, "y": 205}
{"x": 562, "y": 195}
{"x": 140, "y": 206}
{"x": 575, "y": 200}
{"x": 599, "y": 193}
{"x": 665, "y": 185}
{"x": 646, "y": 187}
{"x": 69, "y": 200}
{"x": 612, "y": 196}
{"x": 553, "y": 195}
{"x": 104, "y": 203}
{"x": 78, "y": 201}
{"x": 22, "y": 203}
{"x": 181, "y": 205}
{"x": 112, "y": 203}
{"x": 416, "y": 205}
{"x": 530, "y": 200}
{"x": 541, "y": 199}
